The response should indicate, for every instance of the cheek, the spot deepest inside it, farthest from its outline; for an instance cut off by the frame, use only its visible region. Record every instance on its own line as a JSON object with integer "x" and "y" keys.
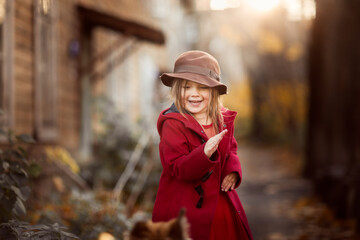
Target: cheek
{"x": 183, "y": 96}
{"x": 207, "y": 96}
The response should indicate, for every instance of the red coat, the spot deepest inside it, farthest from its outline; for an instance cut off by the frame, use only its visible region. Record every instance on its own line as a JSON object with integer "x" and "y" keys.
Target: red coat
{"x": 185, "y": 166}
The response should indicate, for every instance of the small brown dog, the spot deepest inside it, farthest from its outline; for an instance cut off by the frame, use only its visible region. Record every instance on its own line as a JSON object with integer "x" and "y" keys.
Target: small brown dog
{"x": 175, "y": 229}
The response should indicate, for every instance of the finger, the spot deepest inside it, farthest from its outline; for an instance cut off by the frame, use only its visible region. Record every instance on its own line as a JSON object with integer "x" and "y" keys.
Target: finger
{"x": 214, "y": 147}
{"x": 223, "y": 132}
{"x": 227, "y": 187}
{"x": 210, "y": 148}
{"x": 231, "y": 186}
{"x": 226, "y": 184}
{"x": 223, "y": 184}
{"x": 224, "y": 187}
{"x": 226, "y": 178}
{"x": 229, "y": 182}
{"x": 219, "y": 137}
{"x": 213, "y": 143}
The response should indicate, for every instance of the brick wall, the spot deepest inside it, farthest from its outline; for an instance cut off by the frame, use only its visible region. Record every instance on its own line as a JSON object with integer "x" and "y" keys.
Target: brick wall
{"x": 23, "y": 67}
{"x": 68, "y": 84}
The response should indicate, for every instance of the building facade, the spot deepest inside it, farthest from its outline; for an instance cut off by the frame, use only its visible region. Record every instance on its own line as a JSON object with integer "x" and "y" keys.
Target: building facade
{"x": 57, "y": 57}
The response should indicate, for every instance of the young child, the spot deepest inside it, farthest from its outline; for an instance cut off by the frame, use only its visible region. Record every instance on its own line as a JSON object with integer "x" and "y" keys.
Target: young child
{"x": 198, "y": 153}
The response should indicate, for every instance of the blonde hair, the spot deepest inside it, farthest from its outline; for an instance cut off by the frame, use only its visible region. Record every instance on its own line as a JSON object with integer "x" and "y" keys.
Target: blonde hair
{"x": 213, "y": 108}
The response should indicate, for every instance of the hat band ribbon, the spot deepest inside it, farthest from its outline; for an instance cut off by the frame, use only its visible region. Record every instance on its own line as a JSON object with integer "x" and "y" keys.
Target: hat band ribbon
{"x": 198, "y": 70}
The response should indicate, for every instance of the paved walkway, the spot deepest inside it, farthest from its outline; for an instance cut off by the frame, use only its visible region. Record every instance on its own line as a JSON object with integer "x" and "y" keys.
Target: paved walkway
{"x": 278, "y": 201}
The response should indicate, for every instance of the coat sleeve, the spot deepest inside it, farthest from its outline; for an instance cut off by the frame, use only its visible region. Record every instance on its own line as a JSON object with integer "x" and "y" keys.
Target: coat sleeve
{"x": 177, "y": 159}
{"x": 232, "y": 163}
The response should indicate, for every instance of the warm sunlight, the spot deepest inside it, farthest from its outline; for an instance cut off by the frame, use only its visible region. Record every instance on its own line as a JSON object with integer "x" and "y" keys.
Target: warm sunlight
{"x": 223, "y": 4}
{"x": 298, "y": 10}
{"x": 263, "y": 5}
{"x": 2, "y": 10}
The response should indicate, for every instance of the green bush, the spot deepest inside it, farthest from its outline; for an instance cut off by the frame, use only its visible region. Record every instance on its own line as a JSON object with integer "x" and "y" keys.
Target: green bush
{"x": 14, "y": 189}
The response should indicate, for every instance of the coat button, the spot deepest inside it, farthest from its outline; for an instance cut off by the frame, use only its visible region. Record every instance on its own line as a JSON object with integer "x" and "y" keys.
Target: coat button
{"x": 202, "y": 131}
{"x": 203, "y": 140}
{"x": 224, "y": 125}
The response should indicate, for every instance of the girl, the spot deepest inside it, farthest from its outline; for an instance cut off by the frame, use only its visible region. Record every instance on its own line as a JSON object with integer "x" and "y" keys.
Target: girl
{"x": 198, "y": 153}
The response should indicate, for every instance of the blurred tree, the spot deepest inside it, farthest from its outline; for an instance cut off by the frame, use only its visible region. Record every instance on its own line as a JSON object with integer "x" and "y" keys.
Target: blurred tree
{"x": 278, "y": 86}
{"x": 333, "y": 146}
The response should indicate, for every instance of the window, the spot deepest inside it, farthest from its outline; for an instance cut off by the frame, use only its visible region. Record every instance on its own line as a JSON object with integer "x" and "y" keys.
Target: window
{"x": 45, "y": 70}
{"x": 6, "y": 63}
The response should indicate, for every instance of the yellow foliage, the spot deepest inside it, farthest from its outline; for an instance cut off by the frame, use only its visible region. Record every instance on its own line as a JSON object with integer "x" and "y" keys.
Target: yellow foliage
{"x": 287, "y": 100}
{"x": 282, "y": 94}
{"x": 59, "y": 184}
{"x": 60, "y": 154}
{"x": 269, "y": 42}
{"x": 294, "y": 52}
{"x": 239, "y": 99}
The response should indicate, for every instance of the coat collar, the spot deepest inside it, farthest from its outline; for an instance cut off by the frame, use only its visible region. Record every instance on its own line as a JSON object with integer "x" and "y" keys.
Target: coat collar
{"x": 189, "y": 121}
{"x": 173, "y": 113}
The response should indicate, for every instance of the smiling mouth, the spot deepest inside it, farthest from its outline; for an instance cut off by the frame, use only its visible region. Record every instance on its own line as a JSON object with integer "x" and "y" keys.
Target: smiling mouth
{"x": 195, "y": 103}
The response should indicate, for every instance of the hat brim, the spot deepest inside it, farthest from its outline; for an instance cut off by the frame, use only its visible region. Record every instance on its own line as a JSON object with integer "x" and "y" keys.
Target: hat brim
{"x": 168, "y": 78}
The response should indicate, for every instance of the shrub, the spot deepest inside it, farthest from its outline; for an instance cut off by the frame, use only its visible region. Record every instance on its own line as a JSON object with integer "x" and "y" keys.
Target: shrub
{"x": 14, "y": 190}
{"x": 14, "y": 164}
{"x": 17, "y": 230}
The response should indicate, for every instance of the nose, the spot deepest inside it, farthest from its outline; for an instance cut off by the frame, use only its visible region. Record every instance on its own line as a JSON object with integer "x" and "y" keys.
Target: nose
{"x": 194, "y": 91}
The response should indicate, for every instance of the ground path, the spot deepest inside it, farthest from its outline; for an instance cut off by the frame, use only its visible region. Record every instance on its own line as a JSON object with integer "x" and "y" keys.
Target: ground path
{"x": 276, "y": 199}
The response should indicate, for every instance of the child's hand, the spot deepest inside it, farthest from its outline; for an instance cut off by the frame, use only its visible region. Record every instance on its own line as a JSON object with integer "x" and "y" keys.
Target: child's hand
{"x": 213, "y": 143}
{"x": 229, "y": 182}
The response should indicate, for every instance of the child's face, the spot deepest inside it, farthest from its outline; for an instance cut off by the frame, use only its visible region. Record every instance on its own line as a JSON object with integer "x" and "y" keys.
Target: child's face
{"x": 195, "y": 98}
